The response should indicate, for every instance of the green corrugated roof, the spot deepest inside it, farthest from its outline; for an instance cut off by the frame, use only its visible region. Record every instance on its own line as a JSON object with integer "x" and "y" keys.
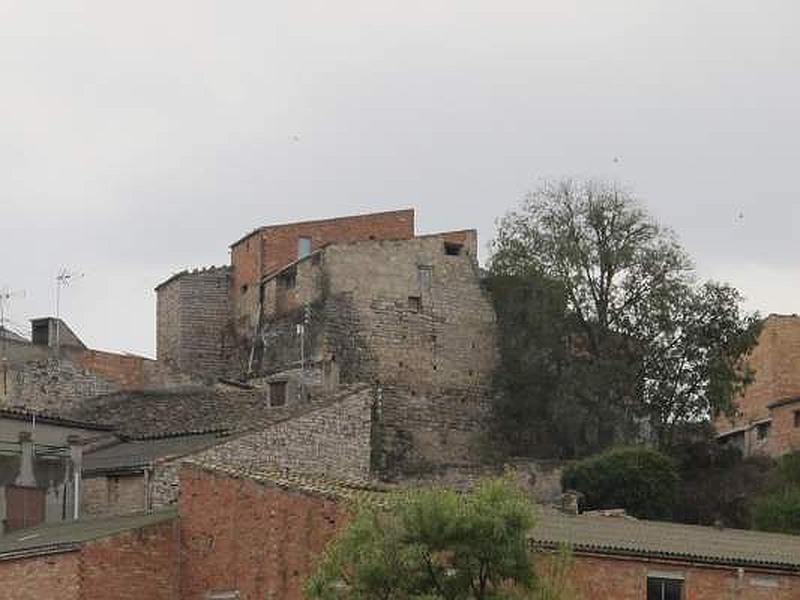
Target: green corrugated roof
{"x": 673, "y": 541}
{"x": 68, "y": 535}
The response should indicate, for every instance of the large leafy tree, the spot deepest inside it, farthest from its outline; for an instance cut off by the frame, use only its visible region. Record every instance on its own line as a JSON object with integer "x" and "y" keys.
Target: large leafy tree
{"x": 646, "y": 344}
{"x": 431, "y": 544}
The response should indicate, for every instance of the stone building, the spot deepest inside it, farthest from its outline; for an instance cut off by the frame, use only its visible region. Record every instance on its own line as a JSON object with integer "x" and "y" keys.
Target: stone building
{"x": 317, "y": 305}
{"x": 767, "y": 419}
{"x": 55, "y": 370}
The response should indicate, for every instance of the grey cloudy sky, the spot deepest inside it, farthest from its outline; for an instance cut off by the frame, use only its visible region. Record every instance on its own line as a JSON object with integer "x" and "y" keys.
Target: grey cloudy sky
{"x": 139, "y": 138}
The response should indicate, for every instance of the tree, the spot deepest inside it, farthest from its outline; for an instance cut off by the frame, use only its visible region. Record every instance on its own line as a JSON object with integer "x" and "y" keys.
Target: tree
{"x": 649, "y": 344}
{"x": 433, "y": 544}
{"x": 642, "y": 481}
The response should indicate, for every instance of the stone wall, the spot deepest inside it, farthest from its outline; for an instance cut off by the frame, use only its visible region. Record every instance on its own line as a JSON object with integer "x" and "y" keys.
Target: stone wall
{"x": 333, "y": 440}
{"x": 193, "y": 321}
{"x": 112, "y": 494}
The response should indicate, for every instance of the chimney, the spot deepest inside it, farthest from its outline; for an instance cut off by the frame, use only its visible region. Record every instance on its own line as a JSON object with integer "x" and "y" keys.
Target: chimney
{"x": 76, "y": 464}
{"x": 569, "y": 502}
{"x": 26, "y": 477}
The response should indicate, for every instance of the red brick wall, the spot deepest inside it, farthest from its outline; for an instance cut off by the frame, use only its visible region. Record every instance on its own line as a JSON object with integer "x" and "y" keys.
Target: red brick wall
{"x": 240, "y": 535}
{"x": 603, "y": 578}
{"x": 271, "y": 248}
{"x": 132, "y": 565}
{"x": 51, "y": 576}
{"x": 784, "y": 436}
{"x": 776, "y": 361}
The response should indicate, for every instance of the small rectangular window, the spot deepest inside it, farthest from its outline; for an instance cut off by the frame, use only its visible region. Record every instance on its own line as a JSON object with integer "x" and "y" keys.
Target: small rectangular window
{"x": 797, "y": 418}
{"x": 277, "y": 393}
{"x": 303, "y": 247}
{"x": 452, "y": 248}
{"x": 762, "y": 431}
{"x": 660, "y": 588}
{"x": 415, "y": 304}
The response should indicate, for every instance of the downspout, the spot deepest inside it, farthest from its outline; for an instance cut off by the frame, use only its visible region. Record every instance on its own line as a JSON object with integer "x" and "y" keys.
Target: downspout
{"x": 76, "y": 459}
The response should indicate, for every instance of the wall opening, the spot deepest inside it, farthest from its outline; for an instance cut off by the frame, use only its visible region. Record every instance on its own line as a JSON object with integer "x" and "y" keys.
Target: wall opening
{"x": 303, "y": 247}
{"x": 277, "y": 393}
{"x": 452, "y": 248}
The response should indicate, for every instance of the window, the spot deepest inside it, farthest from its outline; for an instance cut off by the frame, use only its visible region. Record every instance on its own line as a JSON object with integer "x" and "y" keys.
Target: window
{"x": 452, "y": 248}
{"x": 425, "y": 277}
{"x": 415, "y": 303}
{"x": 303, "y": 247}
{"x": 662, "y": 588}
{"x": 762, "y": 430}
{"x": 244, "y": 288}
{"x": 797, "y": 418}
{"x": 277, "y": 393}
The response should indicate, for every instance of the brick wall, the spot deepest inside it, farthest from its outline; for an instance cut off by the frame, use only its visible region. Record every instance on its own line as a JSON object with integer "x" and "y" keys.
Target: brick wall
{"x": 601, "y": 578}
{"x": 131, "y": 565}
{"x": 55, "y": 575}
{"x": 271, "y": 248}
{"x": 775, "y": 360}
{"x": 784, "y": 435}
{"x": 193, "y": 318}
{"x": 240, "y": 535}
{"x": 334, "y": 440}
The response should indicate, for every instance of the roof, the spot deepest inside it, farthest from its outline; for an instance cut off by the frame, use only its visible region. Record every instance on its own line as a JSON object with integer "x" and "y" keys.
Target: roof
{"x": 337, "y": 489}
{"x": 784, "y": 402}
{"x": 135, "y": 454}
{"x": 317, "y": 221}
{"x": 24, "y": 414}
{"x": 670, "y": 541}
{"x": 139, "y": 414}
{"x": 67, "y": 536}
{"x": 148, "y": 414}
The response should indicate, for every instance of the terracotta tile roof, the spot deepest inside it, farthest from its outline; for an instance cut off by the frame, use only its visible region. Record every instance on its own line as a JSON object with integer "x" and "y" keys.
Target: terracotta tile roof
{"x": 673, "y": 541}
{"x": 338, "y": 489}
{"x": 67, "y": 536}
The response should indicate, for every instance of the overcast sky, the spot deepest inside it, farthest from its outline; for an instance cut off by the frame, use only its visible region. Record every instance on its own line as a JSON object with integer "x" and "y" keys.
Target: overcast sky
{"x": 139, "y": 138}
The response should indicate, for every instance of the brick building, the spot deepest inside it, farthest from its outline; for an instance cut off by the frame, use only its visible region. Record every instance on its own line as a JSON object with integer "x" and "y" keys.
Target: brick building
{"x": 119, "y": 558}
{"x": 257, "y": 534}
{"x": 767, "y": 419}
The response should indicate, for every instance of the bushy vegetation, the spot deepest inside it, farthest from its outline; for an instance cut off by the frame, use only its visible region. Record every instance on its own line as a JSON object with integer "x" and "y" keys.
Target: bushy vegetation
{"x": 434, "y": 544}
{"x": 643, "y": 481}
{"x": 778, "y": 510}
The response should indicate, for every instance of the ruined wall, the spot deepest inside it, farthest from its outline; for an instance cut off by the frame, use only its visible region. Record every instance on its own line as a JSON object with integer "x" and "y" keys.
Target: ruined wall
{"x": 333, "y": 440}
{"x": 193, "y": 321}
{"x": 271, "y": 248}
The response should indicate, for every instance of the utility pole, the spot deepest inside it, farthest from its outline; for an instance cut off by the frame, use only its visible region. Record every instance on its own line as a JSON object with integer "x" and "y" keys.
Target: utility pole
{"x": 5, "y": 298}
{"x": 63, "y": 279}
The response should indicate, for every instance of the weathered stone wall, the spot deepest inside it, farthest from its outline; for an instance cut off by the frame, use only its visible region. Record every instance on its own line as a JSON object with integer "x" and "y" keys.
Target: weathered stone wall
{"x": 333, "y": 440}
{"x": 112, "y": 494}
{"x": 53, "y": 384}
{"x": 193, "y": 321}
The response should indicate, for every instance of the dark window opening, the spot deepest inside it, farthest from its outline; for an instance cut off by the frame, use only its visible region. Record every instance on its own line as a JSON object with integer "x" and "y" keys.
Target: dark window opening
{"x": 244, "y": 288}
{"x": 415, "y": 303}
{"x": 452, "y": 248}
{"x": 277, "y": 393}
{"x": 316, "y": 259}
{"x": 762, "y": 430}
{"x": 662, "y": 588}
{"x": 797, "y": 418}
{"x": 288, "y": 279}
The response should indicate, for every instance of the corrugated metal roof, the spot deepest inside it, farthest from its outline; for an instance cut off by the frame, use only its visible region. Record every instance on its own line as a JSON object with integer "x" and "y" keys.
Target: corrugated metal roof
{"x": 673, "y": 541}
{"x": 68, "y": 535}
{"x": 139, "y": 453}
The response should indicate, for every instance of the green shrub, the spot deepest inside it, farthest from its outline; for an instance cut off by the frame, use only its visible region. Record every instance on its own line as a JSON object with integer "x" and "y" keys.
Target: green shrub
{"x": 642, "y": 481}
{"x": 778, "y": 511}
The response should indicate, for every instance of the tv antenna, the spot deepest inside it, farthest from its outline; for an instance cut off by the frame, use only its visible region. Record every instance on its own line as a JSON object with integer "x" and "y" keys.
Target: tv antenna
{"x": 5, "y": 299}
{"x": 64, "y": 279}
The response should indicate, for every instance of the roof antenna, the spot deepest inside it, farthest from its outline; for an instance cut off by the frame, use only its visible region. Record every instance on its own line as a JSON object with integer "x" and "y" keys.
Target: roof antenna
{"x": 5, "y": 299}
{"x": 64, "y": 278}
